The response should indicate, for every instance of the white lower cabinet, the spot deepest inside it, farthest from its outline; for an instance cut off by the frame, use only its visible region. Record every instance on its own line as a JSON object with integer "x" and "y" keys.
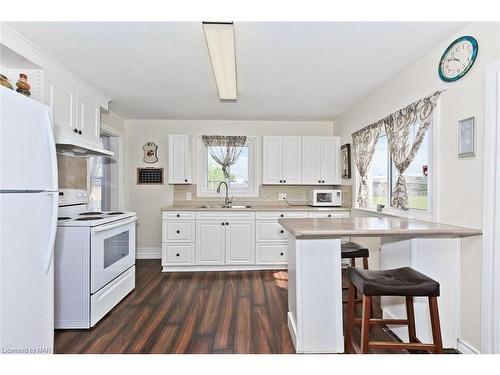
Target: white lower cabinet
{"x": 240, "y": 242}
{"x": 213, "y": 240}
{"x": 211, "y": 243}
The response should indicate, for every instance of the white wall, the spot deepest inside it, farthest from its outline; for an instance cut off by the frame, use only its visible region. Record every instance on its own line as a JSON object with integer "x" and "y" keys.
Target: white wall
{"x": 147, "y": 200}
{"x": 459, "y": 198}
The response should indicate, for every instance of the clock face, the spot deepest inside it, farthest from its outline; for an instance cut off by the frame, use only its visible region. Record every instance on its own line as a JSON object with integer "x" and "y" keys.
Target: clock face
{"x": 458, "y": 59}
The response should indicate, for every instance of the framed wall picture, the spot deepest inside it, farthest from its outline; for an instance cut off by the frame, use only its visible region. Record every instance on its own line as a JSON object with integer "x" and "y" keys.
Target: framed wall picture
{"x": 466, "y": 137}
{"x": 345, "y": 151}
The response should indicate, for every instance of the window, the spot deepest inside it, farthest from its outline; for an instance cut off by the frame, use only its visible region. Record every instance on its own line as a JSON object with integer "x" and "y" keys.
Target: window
{"x": 382, "y": 174}
{"x": 242, "y": 180}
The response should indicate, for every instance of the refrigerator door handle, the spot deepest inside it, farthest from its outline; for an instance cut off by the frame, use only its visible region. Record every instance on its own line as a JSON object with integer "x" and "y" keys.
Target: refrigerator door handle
{"x": 52, "y": 151}
{"x": 49, "y": 253}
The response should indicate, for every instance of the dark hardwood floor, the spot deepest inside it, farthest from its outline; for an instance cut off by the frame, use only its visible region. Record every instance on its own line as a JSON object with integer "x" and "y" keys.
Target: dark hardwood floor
{"x": 204, "y": 312}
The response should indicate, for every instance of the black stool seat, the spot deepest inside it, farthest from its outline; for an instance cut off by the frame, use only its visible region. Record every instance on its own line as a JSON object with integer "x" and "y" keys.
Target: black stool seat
{"x": 352, "y": 250}
{"x": 397, "y": 282}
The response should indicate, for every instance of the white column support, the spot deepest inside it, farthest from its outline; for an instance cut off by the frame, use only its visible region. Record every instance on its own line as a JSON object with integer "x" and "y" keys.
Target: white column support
{"x": 315, "y": 295}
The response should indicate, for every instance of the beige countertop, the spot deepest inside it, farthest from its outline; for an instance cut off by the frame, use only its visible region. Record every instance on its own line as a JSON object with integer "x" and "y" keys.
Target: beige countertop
{"x": 372, "y": 227}
{"x": 253, "y": 208}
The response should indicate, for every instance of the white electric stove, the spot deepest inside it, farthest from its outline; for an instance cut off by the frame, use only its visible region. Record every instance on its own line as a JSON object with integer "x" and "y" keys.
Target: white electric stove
{"x": 94, "y": 260}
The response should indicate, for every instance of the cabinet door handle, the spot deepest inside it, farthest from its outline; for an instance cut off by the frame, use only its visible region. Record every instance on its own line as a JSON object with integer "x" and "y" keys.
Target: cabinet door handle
{"x": 178, "y": 215}
{"x": 282, "y": 254}
{"x": 223, "y": 224}
{"x": 319, "y": 181}
{"x": 329, "y": 215}
{"x": 282, "y": 231}
{"x": 323, "y": 181}
{"x": 80, "y": 132}
{"x": 282, "y": 215}
{"x": 177, "y": 255}
{"x": 281, "y": 181}
{"x": 75, "y": 130}
{"x": 227, "y": 223}
{"x": 185, "y": 180}
{"x": 178, "y": 231}
{"x": 284, "y": 181}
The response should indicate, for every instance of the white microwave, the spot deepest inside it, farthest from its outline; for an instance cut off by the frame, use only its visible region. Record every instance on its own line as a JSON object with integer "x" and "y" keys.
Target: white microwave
{"x": 326, "y": 198}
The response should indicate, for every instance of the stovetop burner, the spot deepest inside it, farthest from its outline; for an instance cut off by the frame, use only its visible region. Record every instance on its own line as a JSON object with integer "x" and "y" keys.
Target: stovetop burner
{"x": 63, "y": 218}
{"x": 87, "y": 218}
{"x": 115, "y": 213}
{"x": 90, "y": 213}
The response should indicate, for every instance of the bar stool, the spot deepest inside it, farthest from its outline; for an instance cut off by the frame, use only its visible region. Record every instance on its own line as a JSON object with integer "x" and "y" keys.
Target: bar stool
{"x": 405, "y": 282}
{"x": 352, "y": 250}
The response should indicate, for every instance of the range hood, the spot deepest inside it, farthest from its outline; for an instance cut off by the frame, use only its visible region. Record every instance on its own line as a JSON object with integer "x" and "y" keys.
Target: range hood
{"x": 70, "y": 147}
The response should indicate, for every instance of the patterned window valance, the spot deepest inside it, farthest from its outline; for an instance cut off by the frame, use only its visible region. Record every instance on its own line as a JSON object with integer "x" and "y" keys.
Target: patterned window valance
{"x": 224, "y": 149}
{"x": 403, "y": 149}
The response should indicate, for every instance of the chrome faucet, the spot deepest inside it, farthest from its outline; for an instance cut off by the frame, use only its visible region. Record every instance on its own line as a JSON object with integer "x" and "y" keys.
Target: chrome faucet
{"x": 226, "y": 199}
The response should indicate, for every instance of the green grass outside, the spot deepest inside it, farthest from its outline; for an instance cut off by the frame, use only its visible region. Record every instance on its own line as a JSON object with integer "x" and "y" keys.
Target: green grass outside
{"x": 418, "y": 202}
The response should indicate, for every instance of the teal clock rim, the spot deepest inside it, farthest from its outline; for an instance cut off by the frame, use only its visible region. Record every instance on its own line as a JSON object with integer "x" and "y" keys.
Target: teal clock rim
{"x": 475, "y": 49}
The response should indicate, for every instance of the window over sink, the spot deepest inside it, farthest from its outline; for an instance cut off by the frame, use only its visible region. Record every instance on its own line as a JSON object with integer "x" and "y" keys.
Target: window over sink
{"x": 243, "y": 176}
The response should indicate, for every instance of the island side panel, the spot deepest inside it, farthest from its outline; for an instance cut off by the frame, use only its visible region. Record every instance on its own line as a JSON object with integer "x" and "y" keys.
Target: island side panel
{"x": 315, "y": 295}
{"x": 438, "y": 258}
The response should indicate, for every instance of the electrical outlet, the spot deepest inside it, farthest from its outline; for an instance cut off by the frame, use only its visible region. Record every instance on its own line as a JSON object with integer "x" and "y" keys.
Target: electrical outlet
{"x": 282, "y": 196}
{"x": 188, "y": 196}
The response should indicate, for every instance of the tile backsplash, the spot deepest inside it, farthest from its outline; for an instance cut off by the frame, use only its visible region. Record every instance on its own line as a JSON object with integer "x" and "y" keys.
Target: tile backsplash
{"x": 72, "y": 172}
{"x": 267, "y": 194}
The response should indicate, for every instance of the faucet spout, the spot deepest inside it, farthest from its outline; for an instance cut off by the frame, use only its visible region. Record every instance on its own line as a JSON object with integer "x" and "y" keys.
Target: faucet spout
{"x": 226, "y": 198}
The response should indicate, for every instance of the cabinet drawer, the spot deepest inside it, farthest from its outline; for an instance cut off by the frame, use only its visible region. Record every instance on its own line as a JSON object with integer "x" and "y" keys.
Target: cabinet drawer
{"x": 272, "y": 253}
{"x": 177, "y": 254}
{"x": 275, "y": 215}
{"x": 178, "y": 215}
{"x": 270, "y": 231}
{"x": 178, "y": 231}
{"x": 108, "y": 297}
{"x": 331, "y": 214}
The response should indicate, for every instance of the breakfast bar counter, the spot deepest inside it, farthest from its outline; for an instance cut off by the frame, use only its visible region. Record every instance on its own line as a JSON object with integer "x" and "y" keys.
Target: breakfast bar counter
{"x": 315, "y": 277}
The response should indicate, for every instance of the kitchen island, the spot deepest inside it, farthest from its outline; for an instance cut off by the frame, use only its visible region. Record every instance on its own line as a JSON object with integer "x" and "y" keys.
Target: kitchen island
{"x": 315, "y": 277}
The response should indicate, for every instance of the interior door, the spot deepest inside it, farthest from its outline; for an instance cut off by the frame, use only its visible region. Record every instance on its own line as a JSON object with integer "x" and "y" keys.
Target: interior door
{"x": 27, "y": 233}
{"x": 330, "y": 160}
{"x": 292, "y": 160}
{"x": 311, "y": 160}
{"x": 210, "y": 242}
{"x": 272, "y": 160}
{"x": 240, "y": 242}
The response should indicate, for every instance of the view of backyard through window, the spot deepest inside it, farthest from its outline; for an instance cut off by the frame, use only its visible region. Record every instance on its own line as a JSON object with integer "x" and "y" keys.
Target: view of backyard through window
{"x": 379, "y": 176}
{"x": 238, "y": 172}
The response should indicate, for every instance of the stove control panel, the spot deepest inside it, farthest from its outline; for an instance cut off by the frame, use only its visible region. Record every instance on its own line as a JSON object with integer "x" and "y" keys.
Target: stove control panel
{"x": 72, "y": 196}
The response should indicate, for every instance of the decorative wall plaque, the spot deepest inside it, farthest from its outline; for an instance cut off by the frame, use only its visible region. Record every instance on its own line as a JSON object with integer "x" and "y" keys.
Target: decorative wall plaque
{"x": 150, "y": 155}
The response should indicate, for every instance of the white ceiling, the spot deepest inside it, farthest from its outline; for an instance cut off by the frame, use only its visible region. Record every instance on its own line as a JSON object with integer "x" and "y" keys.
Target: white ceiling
{"x": 285, "y": 70}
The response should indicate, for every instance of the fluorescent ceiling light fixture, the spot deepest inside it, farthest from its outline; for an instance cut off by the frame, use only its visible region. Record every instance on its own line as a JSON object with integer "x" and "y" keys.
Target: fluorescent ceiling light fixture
{"x": 220, "y": 43}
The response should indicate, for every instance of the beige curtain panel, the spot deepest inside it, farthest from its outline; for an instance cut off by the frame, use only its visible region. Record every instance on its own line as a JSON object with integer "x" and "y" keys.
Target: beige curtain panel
{"x": 398, "y": 125}
{"x": 224, "y": 149}
{"x": 363, "y": 143}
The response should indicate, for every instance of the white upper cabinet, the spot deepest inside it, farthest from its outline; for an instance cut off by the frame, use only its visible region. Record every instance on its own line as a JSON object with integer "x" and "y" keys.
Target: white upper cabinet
{"x": 321, "y": 160}
{"x": 330, "y": 161}
{"x": 179, "y": 159}
{"x": 62, "y": 99}
{"x": 88, "y": 119}
{"x": 311, "y": 160}
{"x": 272, "y": 160}
{"x": 281, "y": 160}
{"x": 77, "y": 116}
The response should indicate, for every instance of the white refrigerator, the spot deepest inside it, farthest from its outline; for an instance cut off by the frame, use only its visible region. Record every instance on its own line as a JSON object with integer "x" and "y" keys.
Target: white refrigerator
{"x": 28, "y": 223}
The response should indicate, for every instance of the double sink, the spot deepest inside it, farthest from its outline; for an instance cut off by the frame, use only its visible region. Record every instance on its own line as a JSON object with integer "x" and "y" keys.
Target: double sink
{"x": 227, "y": 206}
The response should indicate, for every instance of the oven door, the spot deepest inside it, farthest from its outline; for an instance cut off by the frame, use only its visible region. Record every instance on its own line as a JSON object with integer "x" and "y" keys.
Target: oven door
{"x": 112, "y": 251}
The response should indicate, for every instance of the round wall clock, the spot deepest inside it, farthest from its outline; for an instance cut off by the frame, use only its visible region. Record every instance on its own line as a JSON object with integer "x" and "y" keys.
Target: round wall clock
{"x": 458, "y": 59}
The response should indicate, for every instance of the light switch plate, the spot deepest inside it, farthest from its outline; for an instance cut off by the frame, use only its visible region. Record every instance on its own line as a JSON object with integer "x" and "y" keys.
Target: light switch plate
{"x": 282, "y": 196}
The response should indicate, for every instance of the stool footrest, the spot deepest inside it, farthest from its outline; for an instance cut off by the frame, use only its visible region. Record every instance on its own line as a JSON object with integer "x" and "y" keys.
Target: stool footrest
{"x": 384, "y": 321}
{"x": 401, "y": 345}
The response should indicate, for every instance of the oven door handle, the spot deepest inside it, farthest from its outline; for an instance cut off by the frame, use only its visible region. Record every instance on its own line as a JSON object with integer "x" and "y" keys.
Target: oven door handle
{"x": 117, "y": 224}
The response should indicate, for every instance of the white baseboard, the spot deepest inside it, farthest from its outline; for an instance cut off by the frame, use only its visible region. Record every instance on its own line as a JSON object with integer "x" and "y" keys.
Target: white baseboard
{"x": 148, "y": 253}
{"x": 465, "y": 348}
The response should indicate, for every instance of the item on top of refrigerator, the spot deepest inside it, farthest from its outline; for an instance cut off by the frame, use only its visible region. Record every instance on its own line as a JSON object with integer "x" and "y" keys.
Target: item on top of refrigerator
{"x": 4, "y": 81}
{"x": 23, "y": 87}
